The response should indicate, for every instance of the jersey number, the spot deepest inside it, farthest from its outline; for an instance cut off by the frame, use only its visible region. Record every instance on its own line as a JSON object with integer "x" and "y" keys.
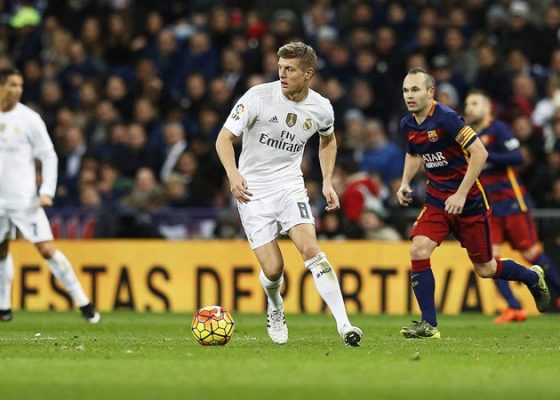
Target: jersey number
{"x": 304, "y": 212}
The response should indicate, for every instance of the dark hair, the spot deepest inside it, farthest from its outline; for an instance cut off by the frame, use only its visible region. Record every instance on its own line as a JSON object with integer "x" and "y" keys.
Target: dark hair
{"x": 7, "y": 72}
{"x": 430, "y": 81}
{"x": 479, "y": 91}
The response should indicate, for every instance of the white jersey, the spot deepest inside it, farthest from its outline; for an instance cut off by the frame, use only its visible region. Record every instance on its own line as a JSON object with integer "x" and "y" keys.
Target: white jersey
{"x": 275, "y": 131}
{"x": 24, "y": 138}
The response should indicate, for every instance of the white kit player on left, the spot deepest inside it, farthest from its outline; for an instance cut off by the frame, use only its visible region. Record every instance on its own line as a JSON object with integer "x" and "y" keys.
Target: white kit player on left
{"x": 24, "y": 139}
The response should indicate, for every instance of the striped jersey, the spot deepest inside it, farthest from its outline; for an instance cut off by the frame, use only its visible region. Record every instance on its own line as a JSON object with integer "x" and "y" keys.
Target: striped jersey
{"x": 441, "y": 141}
{"x": 500, "y": 180}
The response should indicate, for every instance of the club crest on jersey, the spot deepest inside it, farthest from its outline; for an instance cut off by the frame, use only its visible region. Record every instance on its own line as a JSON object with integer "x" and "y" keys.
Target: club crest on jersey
{"x": 307, "y": 124}
{"x": 240, "y": 109}
{"x": 291, "y": 119}
{"x": 2, "y": 127}
{"x": 433, "y": 136}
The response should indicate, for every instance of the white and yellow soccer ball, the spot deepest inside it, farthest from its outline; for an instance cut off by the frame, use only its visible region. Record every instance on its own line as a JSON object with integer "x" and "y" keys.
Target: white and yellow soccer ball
{"x": 212, "y": 326}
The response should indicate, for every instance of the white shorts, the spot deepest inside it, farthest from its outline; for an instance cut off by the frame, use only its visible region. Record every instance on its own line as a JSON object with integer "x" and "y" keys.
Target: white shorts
{"x": 32, "y": 223}
{"x": 265, "y": 218}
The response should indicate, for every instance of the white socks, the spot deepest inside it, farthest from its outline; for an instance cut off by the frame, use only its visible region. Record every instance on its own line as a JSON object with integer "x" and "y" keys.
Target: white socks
{"x": 272, "y": 290}
{"x": 6, "y": 277}
{"x": 328, "y": 287}
{"x": 63, "y": 271}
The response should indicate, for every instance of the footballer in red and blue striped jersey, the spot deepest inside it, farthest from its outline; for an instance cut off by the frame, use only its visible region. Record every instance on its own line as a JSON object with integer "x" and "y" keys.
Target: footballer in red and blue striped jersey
{"x": 441, "y": 140}
{"x": 511, "y": 220}
{"x": 452, "y": 154}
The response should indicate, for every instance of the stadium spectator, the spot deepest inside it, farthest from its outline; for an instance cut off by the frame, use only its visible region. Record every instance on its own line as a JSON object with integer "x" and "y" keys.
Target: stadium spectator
{"x": 380, "y": 155}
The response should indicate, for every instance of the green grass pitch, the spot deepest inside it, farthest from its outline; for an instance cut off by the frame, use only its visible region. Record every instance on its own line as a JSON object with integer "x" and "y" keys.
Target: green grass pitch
{"x": 55, "y": 355}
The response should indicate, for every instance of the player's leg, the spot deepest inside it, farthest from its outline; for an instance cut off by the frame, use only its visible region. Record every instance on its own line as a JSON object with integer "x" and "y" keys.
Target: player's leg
{"x": 514, "y": 311}
{"x": 430, "y": 228}
{"x": 296, "y": 218}
{"x": 259, "y": 222}
{"x": 536, "y": 256}
{"x": 523, "y": 236}
{"x": 272, "y": 272}
{"x": 271, "y": 278}
{"x": 475, "y": 237}
{"x": 326, "y": 281}
{"x": 423, "y": 285}
{"x": 6, "y": 277}
{"x": 35, "y": 227}
{"x": 504, "y": 268}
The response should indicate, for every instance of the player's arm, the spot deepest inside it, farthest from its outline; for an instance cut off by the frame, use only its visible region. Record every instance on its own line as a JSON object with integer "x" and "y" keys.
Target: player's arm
{"x": 49, "y": 167}
{"x": 509, "y": 153}
{"x": 327, "y": 158}
{"x": 477, "y": 157}
{"x": 226, "y": 153}
{"x": 43, "y": 150}
{"x": 412, "y": 163}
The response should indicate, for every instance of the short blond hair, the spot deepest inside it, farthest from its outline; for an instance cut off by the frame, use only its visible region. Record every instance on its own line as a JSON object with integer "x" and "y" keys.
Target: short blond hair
{"x": 305, "y": 54}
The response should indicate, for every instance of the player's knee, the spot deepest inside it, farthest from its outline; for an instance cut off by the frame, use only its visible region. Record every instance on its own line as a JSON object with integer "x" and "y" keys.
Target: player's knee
{"x": 419, "y": 251}
{"x": 46, "y": 249}
{"x": 275, "y": 275}
{"x": 485, "y": 270}
{"x": 531, "y": 253}
{"x": 310, "y": 251}
{"x": 273, "y": 270}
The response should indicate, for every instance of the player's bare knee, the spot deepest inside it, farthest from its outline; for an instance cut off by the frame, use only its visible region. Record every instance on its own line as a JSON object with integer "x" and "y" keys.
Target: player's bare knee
{"x": 485, "y": 270}
{"x": 531, "y": 253}
{"x": 419, "y": 251}
{"x": 4, "y": 249}
{"x": 310, "y": 251}
{"x": 46, "y": 249}
{"x": 273, "y": 270}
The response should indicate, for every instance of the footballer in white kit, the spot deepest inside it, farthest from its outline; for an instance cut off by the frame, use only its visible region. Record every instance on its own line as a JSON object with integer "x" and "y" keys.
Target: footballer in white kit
{"x": 275, "y": 121}
{"x": 275, "y": 131}
{"x": 24, "y": 139}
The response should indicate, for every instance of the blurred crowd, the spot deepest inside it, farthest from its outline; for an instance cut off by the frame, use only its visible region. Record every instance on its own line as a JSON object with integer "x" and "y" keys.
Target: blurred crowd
{"x": 134, "y": 92}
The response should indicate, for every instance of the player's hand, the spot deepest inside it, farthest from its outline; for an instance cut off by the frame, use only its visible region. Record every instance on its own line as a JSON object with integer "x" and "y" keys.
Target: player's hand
{"x": 239, "y": 188}
{"x": 404, "y": 195}
{"x": 455, "y": 203}
{"x": 45, "y": 201}
{"x": 332, "y": 198}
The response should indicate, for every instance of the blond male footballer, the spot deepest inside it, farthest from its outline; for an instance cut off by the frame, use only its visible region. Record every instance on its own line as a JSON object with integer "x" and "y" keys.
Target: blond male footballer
{"x": 275, "y": 121}
{"x": 24, "y": 139}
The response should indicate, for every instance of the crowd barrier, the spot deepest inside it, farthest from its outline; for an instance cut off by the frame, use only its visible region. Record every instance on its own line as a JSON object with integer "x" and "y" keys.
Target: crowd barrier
{"x": 159, "y": 275}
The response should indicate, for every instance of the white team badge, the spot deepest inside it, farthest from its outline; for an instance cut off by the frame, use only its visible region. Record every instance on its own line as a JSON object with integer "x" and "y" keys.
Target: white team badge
{"x": 307, "y": 124}
{"x": 2, "y": 127}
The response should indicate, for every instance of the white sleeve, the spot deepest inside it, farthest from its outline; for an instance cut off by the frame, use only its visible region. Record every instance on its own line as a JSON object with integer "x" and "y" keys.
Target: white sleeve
{"x": 243, "y": 113}
{"x": 43, "y": 150}
{"x": 327, "y": 125}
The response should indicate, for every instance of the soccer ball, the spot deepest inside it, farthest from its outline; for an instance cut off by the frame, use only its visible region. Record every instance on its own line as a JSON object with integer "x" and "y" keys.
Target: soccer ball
{"x": 212, "y": 326}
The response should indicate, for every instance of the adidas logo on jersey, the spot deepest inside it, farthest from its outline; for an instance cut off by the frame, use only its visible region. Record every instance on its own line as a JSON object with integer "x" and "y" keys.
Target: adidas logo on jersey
{"x": 273, "y": 119}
